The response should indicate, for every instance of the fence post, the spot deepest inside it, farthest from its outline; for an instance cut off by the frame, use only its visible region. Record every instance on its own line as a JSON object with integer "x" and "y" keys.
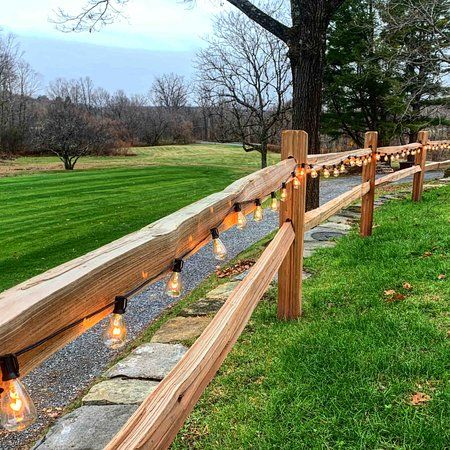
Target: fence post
{"x": 420, "y": 159}
{"x": 368, "y": 174}
{"x": 294, "y": 143}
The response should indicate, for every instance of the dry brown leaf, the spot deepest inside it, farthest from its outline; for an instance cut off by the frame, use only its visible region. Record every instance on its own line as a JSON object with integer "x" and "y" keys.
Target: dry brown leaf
{"x": 406, "y": 286}
{"x": 419, "y": 398}
{"x": 441, "y": 276}
{"x": 426, "y": 254}
{"x": 389, "y": 292}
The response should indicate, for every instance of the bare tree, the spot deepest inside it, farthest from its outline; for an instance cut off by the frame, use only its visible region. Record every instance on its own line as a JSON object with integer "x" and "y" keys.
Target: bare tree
{"x": 305, "y": 37}
{"x": 247, "y": 68}
{"x": 169, "y": 91}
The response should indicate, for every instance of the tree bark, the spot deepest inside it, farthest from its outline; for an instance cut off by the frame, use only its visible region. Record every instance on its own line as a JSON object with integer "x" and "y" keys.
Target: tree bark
{"x": 263, "y": 154}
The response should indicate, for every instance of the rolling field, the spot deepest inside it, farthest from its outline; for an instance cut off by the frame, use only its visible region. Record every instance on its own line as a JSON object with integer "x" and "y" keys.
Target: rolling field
{"x": 51, "y": 217}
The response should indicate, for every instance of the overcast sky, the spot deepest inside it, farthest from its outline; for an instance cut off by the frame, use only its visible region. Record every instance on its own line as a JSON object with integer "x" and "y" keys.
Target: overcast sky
{"x": 157, "y": 36}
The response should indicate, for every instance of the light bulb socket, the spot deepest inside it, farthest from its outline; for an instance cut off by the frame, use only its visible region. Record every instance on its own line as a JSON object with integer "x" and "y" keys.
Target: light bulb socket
{"x": 258, "y": 202}
{"x": 283, "y": 185}
{"x": 273, "y": 195}
{"x": 237, "y": 207}
{"x": 178, "y": 264}
{"x": 215, "y": 233}
{"x": 120, "y": 304}
{"x": 10, "y": 367}
{"x": 293, "y": 174}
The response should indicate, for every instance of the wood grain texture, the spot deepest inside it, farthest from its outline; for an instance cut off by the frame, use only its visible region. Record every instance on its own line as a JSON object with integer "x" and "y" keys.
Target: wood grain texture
{"x": 368, "y": 174}
{"x": 294, "y": 143}
{"x": 398, "y": 175}
{"x": 331, "y": 159}
{"x": 48, "y": 302}
{"x": 157, "y": 420}
{"x": 398, "y": 148}
{"x": 420, "y": 160}
{"x": 437, "y": 165}
{"x": 318, "y": 215}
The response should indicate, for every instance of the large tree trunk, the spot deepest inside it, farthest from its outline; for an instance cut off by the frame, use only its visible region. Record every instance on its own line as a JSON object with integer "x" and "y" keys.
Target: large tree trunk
{"x": 307, "y": 65}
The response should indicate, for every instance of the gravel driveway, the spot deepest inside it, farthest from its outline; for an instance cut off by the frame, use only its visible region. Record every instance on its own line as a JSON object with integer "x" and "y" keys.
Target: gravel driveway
{"x": 62, "y": 378}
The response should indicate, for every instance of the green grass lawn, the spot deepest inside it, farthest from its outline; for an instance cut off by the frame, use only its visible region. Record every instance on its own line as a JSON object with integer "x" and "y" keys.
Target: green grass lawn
{"x": 51, "y": 216}
{"x": 223, "y": 155}
{"x": 345, "y": 374}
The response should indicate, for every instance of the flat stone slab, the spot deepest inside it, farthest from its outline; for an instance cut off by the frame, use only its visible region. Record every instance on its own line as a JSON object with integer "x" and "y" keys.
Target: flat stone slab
{"x": 310, "y": 245}
{"x": 148, "y": 361}
{"x": 203, "y": 307}
{"x": 337, "y": 226}
{"x": 341, "y": 219}
{"x": 350, "y": 214}
{"x": 241, "y": 276}
{"x": 181, "y": 329}
{"x": 118, "y": 391}
{"x": 86, "y": 428}
{"x": 223, "y": 291}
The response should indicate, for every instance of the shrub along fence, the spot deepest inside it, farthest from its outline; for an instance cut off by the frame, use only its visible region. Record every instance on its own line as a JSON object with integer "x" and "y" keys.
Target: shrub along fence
{"x": 43, "y": 314}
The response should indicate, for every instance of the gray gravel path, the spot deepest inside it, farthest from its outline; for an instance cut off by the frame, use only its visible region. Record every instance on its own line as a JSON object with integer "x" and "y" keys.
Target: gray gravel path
{"x": 62, "y": 378}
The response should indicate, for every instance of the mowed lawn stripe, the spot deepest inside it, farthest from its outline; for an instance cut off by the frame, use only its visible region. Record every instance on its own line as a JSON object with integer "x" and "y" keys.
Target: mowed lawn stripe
{"x": 50, "y": 218}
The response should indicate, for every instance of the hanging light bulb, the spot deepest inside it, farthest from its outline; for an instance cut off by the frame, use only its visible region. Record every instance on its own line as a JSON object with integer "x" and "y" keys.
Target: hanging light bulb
{"x": 295, "y": 181}
{"x": 326, "y": 172}
{"x": 408, "y": 152}
{"x": 359, "y": 162}
{"x": 413, "y": 152}
{"x": 219, "y": 249}
{"x": 366, "y": 161}
{"x": 314, "y": 173}
{"x": 258, "y": 213}
{"x": 335, "y": 171}
{"x": 378, "y": 157}
{"x": 274, "y": 202}
{"x": 342, "y": 168}
{"x": 419, "y": 150}
{"x": 386, "y": 158}
{"x": 17, "y": 410}
{"x": 175, "y": 285}
{"x": 115, "y": 333}
{"x": 301, "y": 171}
{"x": 352, "y": 161}
{"x": 283, "y": 195}
{"x": 397, "y": 156}
{"x": 241, "y": 221}
{"x": 403, "y": 153}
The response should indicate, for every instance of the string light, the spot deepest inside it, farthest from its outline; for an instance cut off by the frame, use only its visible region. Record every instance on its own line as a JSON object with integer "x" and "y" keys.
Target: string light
{"x": 335, "y": 171}
{"x": 115, "y": 333}
{"x": 283, "y": 195}
{"x": 302, "y": 171}
{"x": 413, "y": 152}
{"x": 274, "y": 202}
{"x": 386, "y": 158}
{"x": 314, "y": 173}
{"x": 378, "y": 157}
{"x": 326, "y": 172}
{"x": 352, "y": 161}
{"x": 17, "y": 410}
{"x": 258, "y": 213}
{"x": 175, "y": 285}
{"x": 342, "y": 168}
{"x": 403, "y": 153}
{"x": 366, "y": 161}
{"x": 219, "y": 249}
{"x": 295, "y": 181}
{"x": 358, "y": 162}
{"x": 241, "y": 222}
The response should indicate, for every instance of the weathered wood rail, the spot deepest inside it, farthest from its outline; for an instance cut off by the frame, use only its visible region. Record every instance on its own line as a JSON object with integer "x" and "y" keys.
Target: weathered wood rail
{"x": 46, "y": 312}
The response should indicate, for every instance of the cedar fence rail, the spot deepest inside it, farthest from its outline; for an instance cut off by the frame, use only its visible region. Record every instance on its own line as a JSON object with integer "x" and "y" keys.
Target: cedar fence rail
{"x": 43, "y": 314}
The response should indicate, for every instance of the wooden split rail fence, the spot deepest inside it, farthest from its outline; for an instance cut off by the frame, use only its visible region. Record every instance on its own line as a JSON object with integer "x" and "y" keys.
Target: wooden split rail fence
{"x": 39, "y": 314}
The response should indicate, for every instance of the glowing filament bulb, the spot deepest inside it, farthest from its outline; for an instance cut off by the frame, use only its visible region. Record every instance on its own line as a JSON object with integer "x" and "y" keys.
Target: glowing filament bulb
{"x": 352, "y": 162}
{"x": 403, "y": 153}
{"x": 366, "y": 161}
{"x": 274, "y": 202}
{"x": 358, "y": 162}
{"x": 17, "y": 410}
{"x": 258, "y": 213}
{"x": 342, "y": 168}
{"x": 283, "y": 195}
{"x": 418, "y": 150}
{"x": 219, "y": 249}
{"x": 314, "y": 173}
{"x": 295, "y": 181}
{"x": 335, "y": 172}
{"x": 115, "y": 333}
{"x": 241, "y": 221}
{"x": 378, "y": 157}
{"x": 326, "y": 172}
{"x": 386, "y": 158}
{"x": 174, "y": 285}
{"x": 408, "y": 153}
{"x": 300, "y": 172}
{"x": 413, "y": 152}
{"x": 397, "y": 156}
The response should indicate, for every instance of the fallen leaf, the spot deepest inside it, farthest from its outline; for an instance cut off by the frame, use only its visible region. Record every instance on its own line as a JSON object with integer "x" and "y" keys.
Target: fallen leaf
{"x": 419, "y": 398}
{"x": 406, "y": 286}
{"x": 427, "y": 254}
{"x": 389, "y": 292}
{"x": 441, "y": 276}
{"x": 399, "y": 296}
